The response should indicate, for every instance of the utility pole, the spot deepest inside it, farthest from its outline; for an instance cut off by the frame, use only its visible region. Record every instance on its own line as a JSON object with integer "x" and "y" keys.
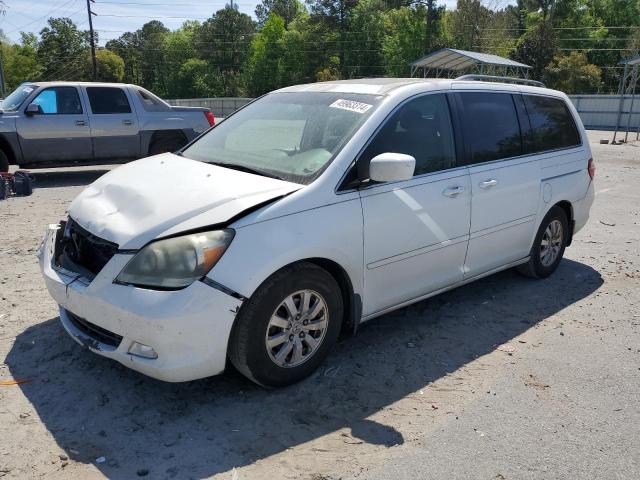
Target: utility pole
{"x": 93, "y": 40}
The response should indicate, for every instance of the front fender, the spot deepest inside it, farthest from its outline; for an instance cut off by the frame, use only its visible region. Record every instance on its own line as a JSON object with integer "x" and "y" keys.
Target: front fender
{"x": 332, "y": 232}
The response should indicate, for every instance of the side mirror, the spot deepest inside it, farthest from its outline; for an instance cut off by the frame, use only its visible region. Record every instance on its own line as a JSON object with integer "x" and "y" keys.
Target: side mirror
{"x": 391, "y": 167}
{"x": 32, "y": 109}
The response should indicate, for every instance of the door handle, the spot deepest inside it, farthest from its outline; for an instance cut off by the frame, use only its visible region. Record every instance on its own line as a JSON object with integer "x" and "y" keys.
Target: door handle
{"x": 127, "y": 122}
{"x": 453, "y": 191}
{"x": 488, "y": 183}
{"x": 81, "y": 123}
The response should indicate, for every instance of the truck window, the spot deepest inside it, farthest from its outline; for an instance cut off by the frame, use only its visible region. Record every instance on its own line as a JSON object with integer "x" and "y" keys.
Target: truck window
{"x": 490, "y": 126}
{"x": 108, "y": 100}
{"x": 552, "y": 123}
{"x": 150, "y": 102}
{"x": 59, "y": 101}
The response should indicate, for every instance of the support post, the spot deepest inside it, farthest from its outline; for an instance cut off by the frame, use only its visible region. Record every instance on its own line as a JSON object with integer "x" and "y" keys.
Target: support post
{"x": 623, "y": 83}
{"x": 634, "y": 80}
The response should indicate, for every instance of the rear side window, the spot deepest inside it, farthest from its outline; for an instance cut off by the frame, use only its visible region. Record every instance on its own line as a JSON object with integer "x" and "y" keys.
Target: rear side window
{"x": 108, "y": 100}
{"x": 552, "y": 124}
{"x": 490, "y": 124}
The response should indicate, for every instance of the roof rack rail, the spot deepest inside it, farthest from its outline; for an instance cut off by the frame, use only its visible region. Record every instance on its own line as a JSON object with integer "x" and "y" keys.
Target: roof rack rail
{"x": 493, "y": 78}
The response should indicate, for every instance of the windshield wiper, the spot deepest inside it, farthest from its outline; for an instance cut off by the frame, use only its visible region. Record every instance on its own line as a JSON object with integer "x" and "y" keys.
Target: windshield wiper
{"x": 243, "y": 168}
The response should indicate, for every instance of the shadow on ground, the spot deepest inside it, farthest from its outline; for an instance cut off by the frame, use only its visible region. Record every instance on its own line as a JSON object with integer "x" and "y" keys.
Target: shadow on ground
{"x": 94, "y": 407}
{"x": 66, "y": 178}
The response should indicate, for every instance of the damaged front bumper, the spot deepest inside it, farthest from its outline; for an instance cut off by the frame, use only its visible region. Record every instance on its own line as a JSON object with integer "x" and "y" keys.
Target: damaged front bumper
{"x": 188, "y": 329}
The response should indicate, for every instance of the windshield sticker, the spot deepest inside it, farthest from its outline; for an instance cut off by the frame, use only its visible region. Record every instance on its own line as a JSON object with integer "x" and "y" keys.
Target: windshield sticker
{"x": 351, "y": 105}
{"x": 27, "y": 89}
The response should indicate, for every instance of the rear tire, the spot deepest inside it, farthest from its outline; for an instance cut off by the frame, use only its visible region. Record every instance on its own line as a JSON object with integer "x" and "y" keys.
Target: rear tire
{"x": 278, "y": 338}
{"x": 548, "y": 246}
{"x": 167, "y": 143}
{"x": 4, "y": 162}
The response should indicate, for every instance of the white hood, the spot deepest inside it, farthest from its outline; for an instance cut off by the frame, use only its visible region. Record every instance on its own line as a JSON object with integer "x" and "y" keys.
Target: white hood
{"x": 168, "y": 194}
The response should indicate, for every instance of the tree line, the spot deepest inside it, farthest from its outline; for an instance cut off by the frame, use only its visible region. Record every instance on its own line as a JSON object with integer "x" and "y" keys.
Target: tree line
{"x": 573, "y": 45}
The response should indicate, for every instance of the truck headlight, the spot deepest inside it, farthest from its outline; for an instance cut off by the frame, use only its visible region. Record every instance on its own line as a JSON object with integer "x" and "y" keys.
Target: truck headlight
{"x": 176, "y": 262}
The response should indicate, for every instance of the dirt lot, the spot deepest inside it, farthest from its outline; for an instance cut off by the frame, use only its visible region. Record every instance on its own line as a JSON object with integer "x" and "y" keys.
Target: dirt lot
{"x": 507, "y": 378}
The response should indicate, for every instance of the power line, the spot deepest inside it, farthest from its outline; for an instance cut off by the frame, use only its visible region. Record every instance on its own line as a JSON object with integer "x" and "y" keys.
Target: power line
{"x": 68, "y": 2}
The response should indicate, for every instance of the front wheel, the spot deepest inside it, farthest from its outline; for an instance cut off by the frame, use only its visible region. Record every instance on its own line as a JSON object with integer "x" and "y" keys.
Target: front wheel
{"x": 548, "y": 246}
{"x": 4, "y": 162}
{"x": 287, "y": 328}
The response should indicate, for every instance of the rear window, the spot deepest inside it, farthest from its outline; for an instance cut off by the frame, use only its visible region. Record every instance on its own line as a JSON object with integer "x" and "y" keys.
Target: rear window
{"x": 552, "y": 124}
{"x": 491, "y": 127}
{"x": 105, "y": 100}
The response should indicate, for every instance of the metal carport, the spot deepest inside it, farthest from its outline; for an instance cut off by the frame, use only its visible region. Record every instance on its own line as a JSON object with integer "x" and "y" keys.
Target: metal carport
{"x": 453, "y": 62}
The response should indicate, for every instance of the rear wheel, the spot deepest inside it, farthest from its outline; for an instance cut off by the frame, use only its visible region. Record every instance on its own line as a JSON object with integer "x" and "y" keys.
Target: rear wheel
{"x": 167, "y": 143}
{"x": 287, "y": 328}
{"x": 548, "y": 246}
{"x": 4, "y": 162}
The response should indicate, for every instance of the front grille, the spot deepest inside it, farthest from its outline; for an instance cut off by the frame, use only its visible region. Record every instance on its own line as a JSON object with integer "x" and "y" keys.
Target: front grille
{"x": 100, "y": 334}
{"x": 79, "y": 248}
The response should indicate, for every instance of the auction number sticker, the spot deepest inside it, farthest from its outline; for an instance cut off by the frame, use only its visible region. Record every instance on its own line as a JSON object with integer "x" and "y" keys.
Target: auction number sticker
{"x": 351, "y": 105}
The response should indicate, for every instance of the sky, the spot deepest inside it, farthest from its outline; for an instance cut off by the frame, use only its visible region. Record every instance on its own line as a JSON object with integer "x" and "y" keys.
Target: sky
{"x": 114, "y": 17}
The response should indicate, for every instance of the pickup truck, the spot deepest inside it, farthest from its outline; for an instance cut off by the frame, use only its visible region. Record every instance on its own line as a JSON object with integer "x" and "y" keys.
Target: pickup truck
{"x": 45, "y": 124}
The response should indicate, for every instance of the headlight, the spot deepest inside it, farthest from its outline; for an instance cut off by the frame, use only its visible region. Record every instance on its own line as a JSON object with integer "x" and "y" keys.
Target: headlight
{"x": 176, "y": 262}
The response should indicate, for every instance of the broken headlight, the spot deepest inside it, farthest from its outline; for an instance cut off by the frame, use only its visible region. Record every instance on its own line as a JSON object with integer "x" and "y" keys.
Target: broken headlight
{"x": 176, "y": 262}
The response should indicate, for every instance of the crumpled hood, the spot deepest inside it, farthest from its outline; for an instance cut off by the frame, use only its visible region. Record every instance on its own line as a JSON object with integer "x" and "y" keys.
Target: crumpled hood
{"x": 168, "y": 194}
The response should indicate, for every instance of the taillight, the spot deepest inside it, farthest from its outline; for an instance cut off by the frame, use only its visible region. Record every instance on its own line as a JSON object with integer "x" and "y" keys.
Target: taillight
{"x": 210, "y": 118}
{"x": 591, "y": 168}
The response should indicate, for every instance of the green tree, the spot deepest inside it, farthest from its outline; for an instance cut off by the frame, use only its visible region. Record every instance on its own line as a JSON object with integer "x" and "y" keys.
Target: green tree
{"x": 178, "y": 50}
{"x": 110, "y": 66}
{"x": 573, "y": 74}
{"x": 367, "y": 32}
{"x": 223, "y": 41}
{"x": 20, "y": 62}
{"x": 265, "y": 65}
{"x": 288, "y": 10}
{"x": 405, "y": 39}
{"x": 127, "y": 46}
{"x": 537, "y": 47}
{"x": 61, "y": 49}
{"x": 333, "y": 17}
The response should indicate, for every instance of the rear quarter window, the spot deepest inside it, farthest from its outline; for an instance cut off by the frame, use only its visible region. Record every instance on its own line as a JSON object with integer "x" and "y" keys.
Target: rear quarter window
{"x": 552, "y": 125}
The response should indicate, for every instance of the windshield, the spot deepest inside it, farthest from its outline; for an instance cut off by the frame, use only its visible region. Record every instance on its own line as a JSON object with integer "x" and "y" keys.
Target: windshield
{"x": 289, "y": 135}
{"x": 19, "y": 95}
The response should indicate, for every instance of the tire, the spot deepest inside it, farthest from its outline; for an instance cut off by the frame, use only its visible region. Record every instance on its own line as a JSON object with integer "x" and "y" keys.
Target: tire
{"x": 165, "y": 144}
{"x": 248, "y": 350}
{"x": 543, "y": 261}
{"x": 4, "y": 162}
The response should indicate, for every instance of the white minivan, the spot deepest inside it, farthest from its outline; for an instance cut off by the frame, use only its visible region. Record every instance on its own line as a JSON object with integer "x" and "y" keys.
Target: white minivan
{"x": 311, "y": 210}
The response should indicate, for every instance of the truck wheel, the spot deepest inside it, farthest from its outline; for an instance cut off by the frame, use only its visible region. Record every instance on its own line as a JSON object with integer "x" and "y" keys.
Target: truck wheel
{"x": 4, "y": 162}
{"x": 168, "y": 143}
{"x": 287, "y": 328}
{"x": 548, "y": 246}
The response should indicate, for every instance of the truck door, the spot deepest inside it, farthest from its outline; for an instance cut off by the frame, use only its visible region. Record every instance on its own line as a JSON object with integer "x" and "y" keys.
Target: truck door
{"x": 114, "y": 125}
{"x": 59, "y": 131}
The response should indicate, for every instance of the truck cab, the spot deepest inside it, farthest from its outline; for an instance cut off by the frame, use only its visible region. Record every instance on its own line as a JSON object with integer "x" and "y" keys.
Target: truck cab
{"x": 61, "y": 123}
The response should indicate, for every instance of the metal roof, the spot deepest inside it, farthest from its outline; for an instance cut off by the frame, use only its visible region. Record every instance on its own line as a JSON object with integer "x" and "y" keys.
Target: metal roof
{"x": 452, "y": 59}
{"x": 631, "y": 61}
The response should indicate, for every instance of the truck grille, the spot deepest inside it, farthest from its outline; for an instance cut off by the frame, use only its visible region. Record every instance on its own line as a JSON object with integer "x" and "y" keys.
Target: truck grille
{"x": 100, "y": 334}
{"x": 83, "y": 252}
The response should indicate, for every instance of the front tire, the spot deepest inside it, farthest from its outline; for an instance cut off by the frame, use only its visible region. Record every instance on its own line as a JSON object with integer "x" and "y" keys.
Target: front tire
{"x": 288, "y": 327}
{"x": 548, "y": 246}
{"x": 4, "y": 162}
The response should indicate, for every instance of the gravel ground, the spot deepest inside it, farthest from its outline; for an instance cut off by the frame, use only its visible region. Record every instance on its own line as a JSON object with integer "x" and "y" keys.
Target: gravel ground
{"x": 506, "y": 378}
